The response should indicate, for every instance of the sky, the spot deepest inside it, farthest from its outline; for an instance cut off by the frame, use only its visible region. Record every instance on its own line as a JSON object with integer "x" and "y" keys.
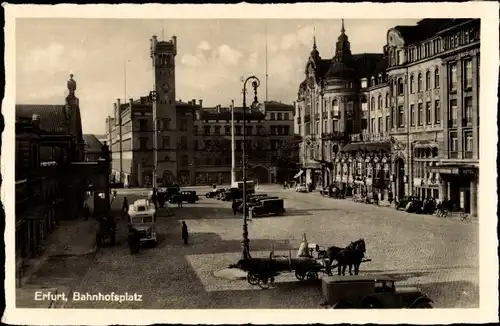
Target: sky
{"x": 110, "y": 57}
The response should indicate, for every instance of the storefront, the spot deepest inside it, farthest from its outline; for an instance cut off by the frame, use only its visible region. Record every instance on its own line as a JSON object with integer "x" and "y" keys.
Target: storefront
{"x": 459, "y": 184}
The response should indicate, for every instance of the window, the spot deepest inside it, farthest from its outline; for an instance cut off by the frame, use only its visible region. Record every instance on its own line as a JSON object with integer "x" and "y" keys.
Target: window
{"x": 143, "y": 143}
{"x": 412, "y": 84}
{"x": 217, "y": 130}
{"x": 280, "y": 116}
{"x": 165, "y": 142}
{"x": 412, "y": 114}
{"x": 468, "y": 110}
{"x": 400, "y": 57}
{"x": 206, "y": 130}
{"x": 183, "y": 144}
{"x": 393, "y": 118}
{"x": 387, "y": 100}
{"x": 363, "y": 83}
{"x": 453, "y": 113}
{"x": 273, "y": 116}
{"x": 378, "y": 171}
{"x": 401, "y": 86}
{"x": 379, "y": 124}
{"x": 166, "y": 124}
{"x": 248, "y": 130}
{"x": 325, "y": 126}
{"x": 372, "y": 104}
{"x": 335, "y": 108}
{"x": 364, "y": 124}
{"x": 387, "y": 122}
{"x": 364, "y": 106}
{"x": 427, "y": 80}
{"x": 238, "y": 130}
{"x": 380, "y": 102}
{"x": 143, "y": 125}
{"x": 238, "y": 145}
{"x": 359, "y": 168}
{"x": 419, "y": 83}
{"x": 420, "y": 114}
{"x": 227, "y": 130}
{"x": 286, "y": 129}
{"x": 436, "y": 78}
{"x": 453, "y": 142}
{"x": 468, "y": 144}
{"x": 369, "y": 170}
{"x": 437, "y": 112}
{"x": 287, "y": 116}
{"x": 468, "y": 74}
{"x": 428, "y": 113}
{"x": 453, "y": 76}
{"x": 373, "y": 125}
{"x": 184, "y": 160}
{"x": 386, "y": 171}
{"x": 401, "y": 117}
{"x": 183, "y": 125}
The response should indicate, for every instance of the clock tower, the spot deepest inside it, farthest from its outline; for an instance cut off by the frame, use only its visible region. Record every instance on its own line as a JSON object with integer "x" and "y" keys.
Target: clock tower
{"x": 163, "y": 59}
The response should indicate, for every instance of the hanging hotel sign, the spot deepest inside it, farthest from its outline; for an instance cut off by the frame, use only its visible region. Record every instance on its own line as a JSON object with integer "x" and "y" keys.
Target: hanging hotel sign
{"x": 468, "y": 171}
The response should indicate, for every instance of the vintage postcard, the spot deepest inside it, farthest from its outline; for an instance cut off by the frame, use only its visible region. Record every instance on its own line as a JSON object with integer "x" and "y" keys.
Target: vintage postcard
{"x": 266, "y": 164}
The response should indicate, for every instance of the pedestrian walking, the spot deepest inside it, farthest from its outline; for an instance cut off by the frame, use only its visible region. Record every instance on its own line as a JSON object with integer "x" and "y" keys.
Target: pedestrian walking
{"x": 134, "y": 241}
{"x": 185, "y": 233}
{"x": 235, "y": 206}
{"x": 124, "y": 207}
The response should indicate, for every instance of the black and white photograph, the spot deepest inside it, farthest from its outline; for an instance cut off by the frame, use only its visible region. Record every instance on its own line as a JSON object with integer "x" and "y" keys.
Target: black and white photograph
{"x": 294, "y": 161}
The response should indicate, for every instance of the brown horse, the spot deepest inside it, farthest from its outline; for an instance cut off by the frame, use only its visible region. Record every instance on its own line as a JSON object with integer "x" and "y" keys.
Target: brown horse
{"x": 332, "y": 253}
{"x": 352, "y": 255}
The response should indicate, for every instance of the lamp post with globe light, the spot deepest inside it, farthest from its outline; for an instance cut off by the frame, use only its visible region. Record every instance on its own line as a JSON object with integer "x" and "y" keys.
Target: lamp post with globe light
{"x": 245, "y": 241}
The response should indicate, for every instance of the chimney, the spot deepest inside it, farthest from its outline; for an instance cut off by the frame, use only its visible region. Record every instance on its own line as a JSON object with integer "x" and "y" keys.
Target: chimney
{"x": 174, "y": 40}
{"x": 218, "y": 108}
{"x": 35, "y": 120}
{"x": 130, "y": 102}
{"x": 193, "y": 102}
{"x": 119, "y": 104}
{"x": 115, "y": 114}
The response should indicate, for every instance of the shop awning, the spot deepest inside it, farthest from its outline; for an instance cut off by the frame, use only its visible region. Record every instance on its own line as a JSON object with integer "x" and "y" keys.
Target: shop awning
{"x": 298, "y": 174}
{"x": 367, "y": 147}
{"x": 456, "y": 169}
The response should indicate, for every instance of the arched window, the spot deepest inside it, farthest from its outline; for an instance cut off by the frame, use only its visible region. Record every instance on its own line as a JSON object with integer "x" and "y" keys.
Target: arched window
{"x": 377, "y": 171}
{"x": 387, "y": 100}
{"x": 380, "y": 102}
{"x": 419, "y": 82}
{"x": 436, "y": 78}
{"x": 345, "y": 170}
{"x": 372, "y": 104}
{"x": 359, "y": 168}
{"x": 369, "y": 170}
{"x": 386, "y": 171}
{"x": 412, "y": 84}
{"x": 339, "y": 169}
{"x": 427, "y": 80}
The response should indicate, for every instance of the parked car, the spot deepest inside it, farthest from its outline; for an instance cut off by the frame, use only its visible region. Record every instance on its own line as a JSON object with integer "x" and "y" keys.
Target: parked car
{"x": 371, "y": 291}
{"x": 214, "y": 192}
{"x": 269, "y": 207}
{"x": 231, "y": 193}
{"x": 166, "y": 193}
{"x": 188, "y": 196}
{"x": 254, "y": 202}
{"x": 301, "y": 188}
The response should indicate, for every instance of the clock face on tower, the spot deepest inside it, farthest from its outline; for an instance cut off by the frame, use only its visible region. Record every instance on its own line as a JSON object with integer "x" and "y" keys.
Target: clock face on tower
{"x": 165, "y": 88}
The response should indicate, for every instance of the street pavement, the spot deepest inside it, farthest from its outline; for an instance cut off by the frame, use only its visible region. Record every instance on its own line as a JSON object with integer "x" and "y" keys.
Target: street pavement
{"x": 438, "y": 255}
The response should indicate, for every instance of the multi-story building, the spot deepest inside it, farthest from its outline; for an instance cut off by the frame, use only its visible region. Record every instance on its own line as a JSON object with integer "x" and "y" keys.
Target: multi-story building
{"x": 271, "y": 144}
{"x": 130, "y": 134}
{"x": 418, "y": 116}
{"x": 51, "y": 176}
{"x": 185, "y": 154}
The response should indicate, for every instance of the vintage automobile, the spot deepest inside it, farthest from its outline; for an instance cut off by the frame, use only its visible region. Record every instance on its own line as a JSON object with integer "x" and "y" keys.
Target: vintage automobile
{"x": 166, "y": 194}
{"x": 230, "y": 194}
{"x": 370, "y": 291}
{"x": 301, "y": 188}
{"x": 142, "y": 217}
{"x": 273, "y": 206}
{"x": 189, "y": 196}
{"x": 253, "y": 202}
{"x": 214, "y": 192}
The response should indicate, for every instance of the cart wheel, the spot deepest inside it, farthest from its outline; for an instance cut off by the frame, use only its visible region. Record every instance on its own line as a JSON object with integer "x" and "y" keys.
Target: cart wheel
{"x": 312, "y": 276}
{"x": 300, "y": 276}
{"x": 252, "y": 279}
{"x": 264, "y": 283}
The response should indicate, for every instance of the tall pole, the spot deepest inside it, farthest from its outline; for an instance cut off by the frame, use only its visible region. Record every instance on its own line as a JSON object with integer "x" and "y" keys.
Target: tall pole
{"x": 154, "y": 96}
{"x": 246, "y": 242}
{"x": 266, "y": 67}
{"x": 233, "y": 148}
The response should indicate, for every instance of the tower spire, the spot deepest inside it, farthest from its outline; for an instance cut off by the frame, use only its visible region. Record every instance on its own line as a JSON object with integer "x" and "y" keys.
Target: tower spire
{"x": 314, "y": 37}
{"x": 342, "y": 30}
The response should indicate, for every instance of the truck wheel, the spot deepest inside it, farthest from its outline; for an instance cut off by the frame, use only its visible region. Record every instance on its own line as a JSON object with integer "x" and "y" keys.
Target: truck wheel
{"x": 300, "y": 275}
{"x": 264, "y": 283}
{"x": 252, "y": 279}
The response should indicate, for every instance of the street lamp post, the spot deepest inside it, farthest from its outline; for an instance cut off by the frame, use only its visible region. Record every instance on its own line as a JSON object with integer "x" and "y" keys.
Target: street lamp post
{"x": 246, "y": 242}
{"x": 154, "y": 95}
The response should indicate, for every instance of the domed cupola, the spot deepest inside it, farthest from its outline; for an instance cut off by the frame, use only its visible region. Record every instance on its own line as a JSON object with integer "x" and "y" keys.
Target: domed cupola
{"x": 340, "y": 66}
{"x": 314, "y": 52}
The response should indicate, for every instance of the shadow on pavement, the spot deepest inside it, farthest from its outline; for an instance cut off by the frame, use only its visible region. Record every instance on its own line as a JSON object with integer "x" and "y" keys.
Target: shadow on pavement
{"x": 457, "y": 294}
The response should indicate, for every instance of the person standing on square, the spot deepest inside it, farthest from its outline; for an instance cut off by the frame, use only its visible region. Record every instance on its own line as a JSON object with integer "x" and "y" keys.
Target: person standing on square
{"x": 185, "y": 233}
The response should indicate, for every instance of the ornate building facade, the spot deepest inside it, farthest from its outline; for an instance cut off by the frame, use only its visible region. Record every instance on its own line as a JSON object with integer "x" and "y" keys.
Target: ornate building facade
{"x": 416, "y": 126}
